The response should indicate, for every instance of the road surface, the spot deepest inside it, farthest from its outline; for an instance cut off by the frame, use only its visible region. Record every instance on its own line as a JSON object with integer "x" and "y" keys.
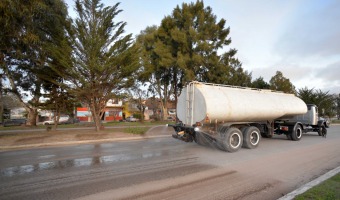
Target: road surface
{"x": 166, "y": 168}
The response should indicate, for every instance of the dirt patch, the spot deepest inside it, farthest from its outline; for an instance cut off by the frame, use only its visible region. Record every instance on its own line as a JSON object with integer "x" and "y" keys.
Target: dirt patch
{"x": 91, "y": 136}
{"x": 41, "y": 137}
{"x": 30, "y": 140}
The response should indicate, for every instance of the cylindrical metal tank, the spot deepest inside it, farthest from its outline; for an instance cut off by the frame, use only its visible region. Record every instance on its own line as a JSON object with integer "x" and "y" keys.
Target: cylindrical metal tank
{"x": 208, "y": 102}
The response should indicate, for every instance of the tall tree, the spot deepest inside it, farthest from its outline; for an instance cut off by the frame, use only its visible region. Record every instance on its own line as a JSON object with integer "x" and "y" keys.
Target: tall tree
{"x": 104, "y": 60}
{"x": 281, "y": 83}
{"x": 28, "y": 28}
{"x": 260, "y": 83}
{"x": 184, "y": 48}
{"x": 325, "y": 101}
{"x": 156, "y": 62}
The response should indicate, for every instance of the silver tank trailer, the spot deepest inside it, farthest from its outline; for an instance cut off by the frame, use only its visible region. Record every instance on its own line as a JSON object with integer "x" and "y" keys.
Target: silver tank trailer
{"x": 202, "y": 102}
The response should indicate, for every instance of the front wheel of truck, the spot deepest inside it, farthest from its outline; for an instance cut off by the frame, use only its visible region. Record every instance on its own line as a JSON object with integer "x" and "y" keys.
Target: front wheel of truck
{"x": 322, "y": 131}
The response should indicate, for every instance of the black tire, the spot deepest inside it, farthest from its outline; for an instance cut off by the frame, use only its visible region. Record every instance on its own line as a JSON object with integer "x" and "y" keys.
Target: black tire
{"x": 297, "y": 133}
{"x": 251, "y": 137}
{"x": 322, "y": 131}
{"x": 231, "y": 140}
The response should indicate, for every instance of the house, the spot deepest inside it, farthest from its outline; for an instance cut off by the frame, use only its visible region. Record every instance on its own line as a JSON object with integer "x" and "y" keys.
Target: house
{"x": 116, "y": 110}
{"x": 113, "y": 112}
{"x": 154, "y": 108}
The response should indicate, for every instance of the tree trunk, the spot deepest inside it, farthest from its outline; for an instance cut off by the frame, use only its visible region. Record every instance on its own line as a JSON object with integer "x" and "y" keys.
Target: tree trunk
{"x": 96, "y": 117}
{"x": 97, "y": 122}
{"x": 56, "y": 118}
{"x": 32, "y": 116}
{"x": 142, "y": 113}
{"x": 1, "y": 103}
{"x": 164, "y": 104}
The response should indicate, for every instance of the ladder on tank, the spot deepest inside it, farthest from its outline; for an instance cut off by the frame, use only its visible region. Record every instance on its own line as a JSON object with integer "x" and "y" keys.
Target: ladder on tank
{"x": 190, "y": 103}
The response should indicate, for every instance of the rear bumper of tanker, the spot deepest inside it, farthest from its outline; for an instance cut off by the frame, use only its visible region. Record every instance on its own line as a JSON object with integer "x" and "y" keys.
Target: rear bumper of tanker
{"x": 182, "y": 132}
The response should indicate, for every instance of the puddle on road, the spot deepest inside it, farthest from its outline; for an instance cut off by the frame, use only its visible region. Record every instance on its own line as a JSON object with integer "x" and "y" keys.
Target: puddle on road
{"x": 79, "y": 162}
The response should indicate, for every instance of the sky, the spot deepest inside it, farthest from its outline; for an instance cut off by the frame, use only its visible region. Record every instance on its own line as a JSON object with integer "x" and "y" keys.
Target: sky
{"x": 300, "y": 38}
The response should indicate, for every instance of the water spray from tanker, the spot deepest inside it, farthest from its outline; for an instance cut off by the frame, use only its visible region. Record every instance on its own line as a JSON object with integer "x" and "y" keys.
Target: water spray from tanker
{"x": 206, "y": 140}
{"x": 159, "y": 130}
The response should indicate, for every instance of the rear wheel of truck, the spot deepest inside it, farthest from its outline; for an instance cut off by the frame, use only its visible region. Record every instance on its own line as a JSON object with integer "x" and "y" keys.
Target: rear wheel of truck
{"x": 231, "y": 140}
{"x": 251, "y": 137}
{"x": 296, "y": 133}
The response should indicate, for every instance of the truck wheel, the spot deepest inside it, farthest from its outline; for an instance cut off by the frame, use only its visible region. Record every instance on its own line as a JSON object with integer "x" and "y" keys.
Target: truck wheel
{"x": 231, "y": 140}
{"x": 322, "y": 131}
{"x": 251, "y": 137}
{"x": 297, "y": 133}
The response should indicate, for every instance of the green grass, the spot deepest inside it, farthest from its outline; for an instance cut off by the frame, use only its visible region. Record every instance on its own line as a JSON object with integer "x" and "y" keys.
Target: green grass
{"x": 136, "y": 130}
{"x": 137, "y": 123}
{"x": 335, "y": 121}
{"x": 328, "y": 190}
{"x": 90, "y": 124}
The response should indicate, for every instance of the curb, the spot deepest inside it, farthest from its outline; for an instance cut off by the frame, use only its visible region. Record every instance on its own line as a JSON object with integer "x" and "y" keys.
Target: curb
{"x": 311, "y": 184}
{"x": 54, "y": 144}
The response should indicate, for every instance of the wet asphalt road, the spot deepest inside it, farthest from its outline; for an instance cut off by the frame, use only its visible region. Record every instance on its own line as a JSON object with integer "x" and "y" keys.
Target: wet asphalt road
{"x": 165, "y": 168}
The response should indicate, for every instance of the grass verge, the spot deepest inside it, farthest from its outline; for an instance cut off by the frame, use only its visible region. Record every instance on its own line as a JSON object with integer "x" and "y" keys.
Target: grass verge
{"x": 335, "y": 121}
{"x": 329, "y": 189}
{"x": 8, "y": 139}
{"x": 89, "y": 124}
{"x": 136, "y": 130}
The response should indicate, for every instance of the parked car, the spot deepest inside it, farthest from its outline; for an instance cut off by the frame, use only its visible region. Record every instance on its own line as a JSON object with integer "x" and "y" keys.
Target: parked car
{"x": 131, "y": 119}
{"x": 62, "y": 120}
{"x": 170, "y": 118}
{"x": 15, "y": 122}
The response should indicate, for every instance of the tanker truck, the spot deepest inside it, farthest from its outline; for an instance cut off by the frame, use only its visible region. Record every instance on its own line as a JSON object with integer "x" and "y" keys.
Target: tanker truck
{"x": 231, "y": 117}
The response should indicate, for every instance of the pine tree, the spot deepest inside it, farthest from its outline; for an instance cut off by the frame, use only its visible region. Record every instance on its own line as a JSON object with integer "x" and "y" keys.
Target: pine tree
{"x": 28, "y": 28}
{"x": 104, "y": 60}
{"x": 281, "y": 83}
{"x": 260, "y": 83}
{"x": 185, "y": 48}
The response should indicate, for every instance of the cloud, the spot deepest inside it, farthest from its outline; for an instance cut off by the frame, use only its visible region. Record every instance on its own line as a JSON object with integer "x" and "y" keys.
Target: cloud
{"x": 324, "y": 78}
{"x": 331, "y": 72}
{"x": 313, "y": 31}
